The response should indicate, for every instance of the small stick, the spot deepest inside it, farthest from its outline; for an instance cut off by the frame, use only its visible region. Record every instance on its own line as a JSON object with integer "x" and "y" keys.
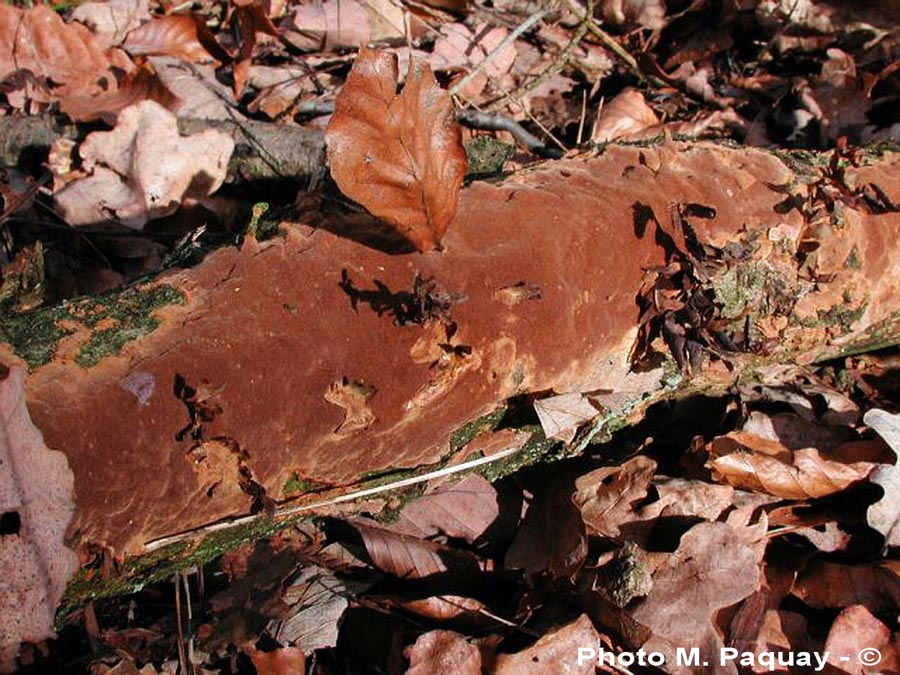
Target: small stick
{"x": 614, "y": 46}
{"x": 350, "y": 496}
{"x": 497, "y": 122}
{"x": 495, "y": 52}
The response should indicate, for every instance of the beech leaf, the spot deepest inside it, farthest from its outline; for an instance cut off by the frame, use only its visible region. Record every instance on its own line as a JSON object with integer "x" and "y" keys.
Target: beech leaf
{"x": 400, "y": 156}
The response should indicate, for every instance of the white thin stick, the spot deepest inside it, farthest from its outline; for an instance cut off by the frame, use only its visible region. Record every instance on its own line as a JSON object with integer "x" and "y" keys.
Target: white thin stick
{"x": 350, "y": 496}
{"x": 495, "y": 52}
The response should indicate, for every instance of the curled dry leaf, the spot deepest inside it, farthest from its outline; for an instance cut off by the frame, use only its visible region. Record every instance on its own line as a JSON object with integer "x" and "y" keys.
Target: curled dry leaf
{"x": 830, "y": 584}
{"x": 627, "y": 114}
{"x": 410, "y": 558}
{"x": 443, "y": 651}
{"x": 140, "y": 85}
{"x": 854, "y": 630}
{"x": 183, "y": 35}
{"x": 554, "y": 649}
{"x": 561, "y": 415}
{"x": 607, "y": 497}
{"x": 143, "y": 168}
{"x": 68, "y": 55}
{"x": 753, "y": 463}
{"x": 111, "y": 20}
{"x": 715, "y": 566}
{"x": 400, "y": 156}
{"x": 36, "y": 500}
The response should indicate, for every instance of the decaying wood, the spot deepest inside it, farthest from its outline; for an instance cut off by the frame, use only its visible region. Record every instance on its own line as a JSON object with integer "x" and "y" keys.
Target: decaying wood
{"x": 263, "y": 150}
{"x": 313, "y": 359}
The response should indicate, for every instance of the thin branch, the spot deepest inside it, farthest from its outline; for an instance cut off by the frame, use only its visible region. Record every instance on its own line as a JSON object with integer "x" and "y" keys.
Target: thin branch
{"x": 613, "y": 46}
{"x": 561, "y": 61}
{"x": 349, "y": 497}
{"x": 495, "y": 52}
{"x": 496, "y": 122}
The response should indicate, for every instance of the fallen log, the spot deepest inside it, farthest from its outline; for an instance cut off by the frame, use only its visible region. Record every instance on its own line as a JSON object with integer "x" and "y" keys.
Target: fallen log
{"x": 312, "y": 362}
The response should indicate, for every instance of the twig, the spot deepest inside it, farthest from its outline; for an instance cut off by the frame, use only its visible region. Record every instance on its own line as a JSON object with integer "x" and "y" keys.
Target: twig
{"x": 496, "y": 122}
{"x": 612, "y": 45}
{"x": 349, "y": 497}
{"x": 474, "y": 119}
{"x": 550, "y": 70}
{"x": 495, "y": 52}
{"x": 549, "y": 134}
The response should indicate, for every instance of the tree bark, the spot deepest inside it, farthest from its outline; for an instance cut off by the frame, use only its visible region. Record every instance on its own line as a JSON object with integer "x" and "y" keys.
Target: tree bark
{"x": 272, "y": 374}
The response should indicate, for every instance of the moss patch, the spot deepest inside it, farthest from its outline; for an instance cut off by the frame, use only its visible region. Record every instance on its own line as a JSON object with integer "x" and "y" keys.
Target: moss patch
{"x": 125, "y": 315}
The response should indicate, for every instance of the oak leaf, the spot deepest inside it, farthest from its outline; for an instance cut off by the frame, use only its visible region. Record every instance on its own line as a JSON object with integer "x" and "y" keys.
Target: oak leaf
{"x": 36, "y": 500}
{"x": 400, "y": 156}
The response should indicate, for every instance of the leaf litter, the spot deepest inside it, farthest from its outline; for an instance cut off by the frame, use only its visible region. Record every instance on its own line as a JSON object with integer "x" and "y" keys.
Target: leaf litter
{"x": 728, "y": 536}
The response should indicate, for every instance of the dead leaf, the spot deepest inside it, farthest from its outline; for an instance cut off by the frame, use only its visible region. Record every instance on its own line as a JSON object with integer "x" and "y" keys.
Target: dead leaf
{"x": 753, "y": 463}
{"x": 562, "y": 415}
{"x": 200, "y": 94}
{"x": 68, "y": 55}
{"x": 551, "y": 540}
{"x": 828, "y": 584}
{"x": 399, "y": 156}
{"x": 461, "y": 510}
{"x": 407, "y": 557}
{"x": 630, "y": 13}
{"x": 447, "y": 608}
{"x": 715, "y": 566}
{"x": 143, "y": 168}
{"x": 282, "y": 661}
{"x": 555, "y": 652}
{"x": 185, "y": 36}
{"x": 142, "y": 84}
{"x": 110, "y": 21}
{"x": 627, "y": 114}
{"x": 607, "y": 497}
{"x": 329, "y": 25}
{"x": 855, "y": 632}
{"x": 36, "y": 501}
{"x": 318, "y": 600}
{"x": 443, "y": 651}
{"x": 884, "y": 515}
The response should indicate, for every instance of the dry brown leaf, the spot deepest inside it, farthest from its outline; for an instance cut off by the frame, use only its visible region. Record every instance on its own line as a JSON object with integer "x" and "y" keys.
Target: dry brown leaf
{"x": 753, "y": 463}
{"x": 111, "y": 20}
{"x": 140, "y": 85}
{"x": 461, "y": 510}
{"x": 625, "y": 115}
{"x": 555, "y": 652}
{"x": 202, "y": 96}
{"x": 407, "y": 557}
{"x": 561, "y": 415}
{"x": 185, "y": 36}
{"x": 143, "y": 168}
{"x": 443, "y": 651}
{"x": 715, "y": 566}
{"x": 329, "y": 25}
{"x": 447, "y": 608}
{"x": 607, "y": 496}
{"x": 646, "y": 13}
{"x": 68, "y": 55}
{"x": 551, "y": 540}
{"x": 36, "y": 500}
{"x": 281, "y": 661}
{"x": 318, "y": 600}
{"x": 400, "y": 156}
{"x": 855, "y": 633}
{"x": 828, "y": 584}
{"x": 884, "y": 515}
